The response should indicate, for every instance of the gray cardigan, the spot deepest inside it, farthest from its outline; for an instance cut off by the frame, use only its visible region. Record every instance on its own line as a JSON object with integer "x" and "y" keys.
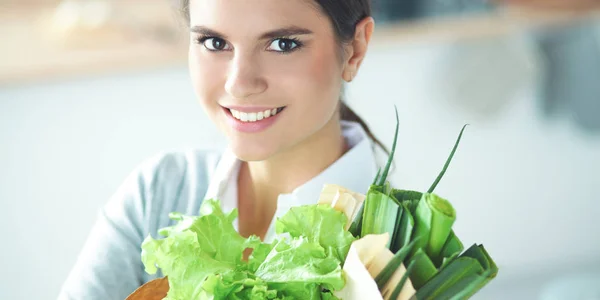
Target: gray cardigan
{"x": 109, "y": 265}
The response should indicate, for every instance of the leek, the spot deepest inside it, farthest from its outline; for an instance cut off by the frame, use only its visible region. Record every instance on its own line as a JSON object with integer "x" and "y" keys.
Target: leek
{"x": 382, "y": 278}
{"x": 443, "y": 217}
{"x": 451, "y": 249}
{"x": 379, "y": 215}
{"x": 424, "y": 269}
{"x": 439, "y": 178}
{"x": 384, "y": 175}
{"x": 403, "y": 280}
{"x": 420, "y": 226}
{"x": 404, "y": 228}
{"x": 463, "y": 277}
{"x": 356, "y": 228}
{"x": 402, "y": 195}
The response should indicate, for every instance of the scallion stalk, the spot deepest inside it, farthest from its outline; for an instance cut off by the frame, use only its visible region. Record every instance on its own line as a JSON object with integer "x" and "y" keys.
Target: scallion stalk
{"x": 379, "y": 215}
{"x": 424, "y": 269}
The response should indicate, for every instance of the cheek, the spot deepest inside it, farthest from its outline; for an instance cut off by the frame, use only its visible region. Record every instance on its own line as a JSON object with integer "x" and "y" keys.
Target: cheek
{"x": 205, "y": 77}
{"x": 311, "y": 82}
{"x": 320, "y": 86}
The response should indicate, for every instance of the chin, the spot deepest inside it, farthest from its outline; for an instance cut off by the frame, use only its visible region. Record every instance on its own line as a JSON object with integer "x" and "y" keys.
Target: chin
{"x": 259, "y": 152}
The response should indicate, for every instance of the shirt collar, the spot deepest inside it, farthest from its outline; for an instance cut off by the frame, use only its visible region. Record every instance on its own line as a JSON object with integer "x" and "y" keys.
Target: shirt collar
{"x": 355, "y": 171}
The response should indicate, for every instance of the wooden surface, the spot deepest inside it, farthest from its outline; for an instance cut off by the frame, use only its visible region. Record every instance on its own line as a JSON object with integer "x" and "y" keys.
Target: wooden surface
{"x": 156, "y": 289}
{"x": 153, "y": 35}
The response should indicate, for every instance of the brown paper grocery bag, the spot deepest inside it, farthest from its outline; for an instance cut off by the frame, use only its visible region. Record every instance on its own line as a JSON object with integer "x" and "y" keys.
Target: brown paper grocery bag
{"x": 153, "y": 290}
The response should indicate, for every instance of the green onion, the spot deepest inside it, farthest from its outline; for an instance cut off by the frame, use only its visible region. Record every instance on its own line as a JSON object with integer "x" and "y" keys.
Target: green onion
{"x": 420, "y": 227}
{"x": 376, "y": 176}
{"x": 404, "y": 221}
{"x": 434, "y": 218}
{"x": 404, "y": 228}
{"x": 379, "y": 215}
{"x": 391, "y": 157}
{"x": 382, "y": 278}
{"x": 357, "y": 222}
{"x": 424, "y": 269}
{"x": 378, "y": 185}
{"x": 451, "y": 249}
{"x": 444, "y": 216}
{"x": 463, "y": 277}
{"x": 437, "y": 180}
{"x": 402, "y": 195}
{"x": 403, "y": 280}
{"x": 412, "y": 205}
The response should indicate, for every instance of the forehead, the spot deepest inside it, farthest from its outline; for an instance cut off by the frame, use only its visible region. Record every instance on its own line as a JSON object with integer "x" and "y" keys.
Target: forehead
{"x": 249, "y": 16}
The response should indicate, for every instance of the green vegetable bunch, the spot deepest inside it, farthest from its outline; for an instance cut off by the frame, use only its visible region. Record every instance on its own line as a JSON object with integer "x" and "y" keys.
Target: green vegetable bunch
{"x": 203, "y": 256}
{"x": 420, "y": 226}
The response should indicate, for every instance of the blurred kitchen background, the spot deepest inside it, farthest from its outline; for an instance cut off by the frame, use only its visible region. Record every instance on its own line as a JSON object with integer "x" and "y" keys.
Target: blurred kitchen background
{"x": 89, "y": 89}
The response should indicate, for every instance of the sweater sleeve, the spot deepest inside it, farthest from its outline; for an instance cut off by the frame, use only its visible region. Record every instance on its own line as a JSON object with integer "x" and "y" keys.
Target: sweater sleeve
{"x": 109, "y": 266}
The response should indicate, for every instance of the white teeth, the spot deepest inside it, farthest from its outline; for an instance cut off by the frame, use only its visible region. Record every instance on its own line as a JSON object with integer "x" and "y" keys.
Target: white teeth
{"x": 253, "y": 117}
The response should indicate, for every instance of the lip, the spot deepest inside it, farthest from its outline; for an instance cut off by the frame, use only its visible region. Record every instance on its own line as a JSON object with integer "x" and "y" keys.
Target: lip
{"x": 250, "y": 127}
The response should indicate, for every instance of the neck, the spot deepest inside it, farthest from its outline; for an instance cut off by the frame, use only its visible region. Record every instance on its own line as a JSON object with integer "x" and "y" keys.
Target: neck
{"x": 287, "y": 170}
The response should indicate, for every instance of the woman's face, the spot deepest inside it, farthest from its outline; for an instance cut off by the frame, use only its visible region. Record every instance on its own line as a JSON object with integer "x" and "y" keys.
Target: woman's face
{"x": 267, "y": 72}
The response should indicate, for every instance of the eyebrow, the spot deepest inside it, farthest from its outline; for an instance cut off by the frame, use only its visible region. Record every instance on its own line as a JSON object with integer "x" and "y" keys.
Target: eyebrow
{"x": 286, "y": 31}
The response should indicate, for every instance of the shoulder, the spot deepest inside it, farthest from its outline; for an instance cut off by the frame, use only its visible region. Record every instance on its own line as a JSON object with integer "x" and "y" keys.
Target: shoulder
{"x": 167, "y": 180}
{"x": 171, "y": 165}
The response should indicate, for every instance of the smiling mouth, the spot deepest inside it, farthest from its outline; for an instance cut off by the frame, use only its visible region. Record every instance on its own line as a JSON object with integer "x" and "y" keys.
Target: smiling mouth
{"x": 254, "y": 116}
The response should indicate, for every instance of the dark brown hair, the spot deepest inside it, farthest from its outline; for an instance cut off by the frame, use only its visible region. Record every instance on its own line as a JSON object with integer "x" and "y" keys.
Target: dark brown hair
{"x": 344, "y": 15}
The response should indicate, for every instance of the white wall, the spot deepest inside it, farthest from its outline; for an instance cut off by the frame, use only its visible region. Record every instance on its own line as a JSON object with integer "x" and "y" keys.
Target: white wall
{"x": 523, "y": 185}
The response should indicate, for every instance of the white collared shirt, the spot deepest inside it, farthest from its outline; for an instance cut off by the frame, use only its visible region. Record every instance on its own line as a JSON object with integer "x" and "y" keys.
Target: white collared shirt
{"x": 355, "y": 170}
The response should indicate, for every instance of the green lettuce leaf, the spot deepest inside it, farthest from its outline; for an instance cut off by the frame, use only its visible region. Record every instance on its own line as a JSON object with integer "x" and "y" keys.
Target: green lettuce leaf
{"x": 237, "y": 285}
{"x": 197, "y": 247}
{"x": 202, "y": 256}
{"x": 296, "y": 261}
{"x": 321, "y": 224}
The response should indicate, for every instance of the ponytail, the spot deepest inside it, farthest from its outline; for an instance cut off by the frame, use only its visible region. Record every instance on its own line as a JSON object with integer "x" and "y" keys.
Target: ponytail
{"x": 348, "y": 114}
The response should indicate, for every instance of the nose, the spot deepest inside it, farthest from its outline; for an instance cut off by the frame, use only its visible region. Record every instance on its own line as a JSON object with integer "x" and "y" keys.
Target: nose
{"x": 244, "y": 78}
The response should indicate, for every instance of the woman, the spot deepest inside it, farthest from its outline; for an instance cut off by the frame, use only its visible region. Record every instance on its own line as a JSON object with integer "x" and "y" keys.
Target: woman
{"x": 269, "y": 73}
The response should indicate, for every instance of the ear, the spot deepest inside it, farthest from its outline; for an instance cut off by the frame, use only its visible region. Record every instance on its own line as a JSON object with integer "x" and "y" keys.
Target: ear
{"x": 357, "y": 48}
